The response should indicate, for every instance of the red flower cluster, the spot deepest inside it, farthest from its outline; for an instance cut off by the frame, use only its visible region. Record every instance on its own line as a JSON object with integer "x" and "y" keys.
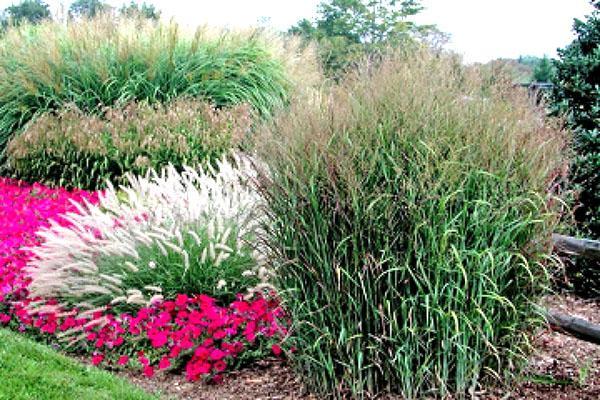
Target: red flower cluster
{"x": 194, "y": 330}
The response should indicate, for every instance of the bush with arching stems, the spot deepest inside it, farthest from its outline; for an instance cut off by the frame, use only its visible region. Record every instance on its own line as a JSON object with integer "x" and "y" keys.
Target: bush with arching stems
{"x": 73, "y": 149}
{"x": 411, "y": 210}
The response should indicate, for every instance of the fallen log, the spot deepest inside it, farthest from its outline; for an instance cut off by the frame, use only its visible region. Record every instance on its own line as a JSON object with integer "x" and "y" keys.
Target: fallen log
{"x": 581, "y": 247}
{"x": 578, "y": 327}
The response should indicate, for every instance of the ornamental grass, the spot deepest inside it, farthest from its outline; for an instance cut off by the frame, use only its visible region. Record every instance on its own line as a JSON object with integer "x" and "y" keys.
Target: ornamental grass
{"x": 411, "y": 211}
{"x": 164, "y": 234}
{"x": 75, "y": 150}
{"x": 107, "y": 61}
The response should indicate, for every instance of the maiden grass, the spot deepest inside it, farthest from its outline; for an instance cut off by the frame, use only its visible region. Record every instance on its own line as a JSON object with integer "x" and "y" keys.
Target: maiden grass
{"x": 107, "y": 61}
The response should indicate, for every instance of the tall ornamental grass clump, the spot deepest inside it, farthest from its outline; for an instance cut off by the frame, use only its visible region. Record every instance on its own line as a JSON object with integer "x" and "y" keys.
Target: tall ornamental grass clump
{"x": 411, "y": 210}
{"x": 107, "y": 60}
{"x": 74, "y": 149}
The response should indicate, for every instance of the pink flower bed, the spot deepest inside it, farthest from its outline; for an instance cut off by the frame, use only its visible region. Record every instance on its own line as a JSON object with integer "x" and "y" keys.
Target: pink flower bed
{"x": 193, "y": 332}
{"x": 23, "y": 210}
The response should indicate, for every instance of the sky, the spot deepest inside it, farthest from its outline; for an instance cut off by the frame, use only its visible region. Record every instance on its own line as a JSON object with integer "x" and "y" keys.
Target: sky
{"x": 480, "y": 30}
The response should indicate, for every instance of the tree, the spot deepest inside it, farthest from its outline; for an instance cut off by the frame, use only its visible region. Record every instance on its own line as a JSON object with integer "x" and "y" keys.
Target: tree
{"x": 543, "y": 71}
{"x": 32, "y": 11}
{"x": 349, "y": 29}
{"x": 87, "y": 8}
{"x": 145, "y": 10}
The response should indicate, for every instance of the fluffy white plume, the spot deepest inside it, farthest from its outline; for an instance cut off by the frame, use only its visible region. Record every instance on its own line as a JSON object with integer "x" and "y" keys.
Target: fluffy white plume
{"x": 159, "y": 208}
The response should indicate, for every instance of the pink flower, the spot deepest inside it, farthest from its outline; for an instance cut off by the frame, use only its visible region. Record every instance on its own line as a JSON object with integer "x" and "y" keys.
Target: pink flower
{"x": 220, "y": 334}
{"x": 174, "y": 353}
{"x": 97, "y": 359}
{"x": 217, "y": 354}
{"x": 123, "y": 360}
{"x": 276, "y": 349}
{"x": 164, "y": 363}
{"x": 148, "y": 371}
{"x": 159, "y": 339}
{"x": 195, "y": 317}
{"x": 181, "y": 300}
{"x": 220, "y": 366}
{"x": 201, "y": 353}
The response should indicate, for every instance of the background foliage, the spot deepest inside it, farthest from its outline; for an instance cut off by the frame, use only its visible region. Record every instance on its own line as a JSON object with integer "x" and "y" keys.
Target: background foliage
{"x": 32, "y": 11}
{"x": 144, "y": 10}
{"x": 348, "y": 30}
{"x": 87, "y": 8}
{"x": 577, "y": 95}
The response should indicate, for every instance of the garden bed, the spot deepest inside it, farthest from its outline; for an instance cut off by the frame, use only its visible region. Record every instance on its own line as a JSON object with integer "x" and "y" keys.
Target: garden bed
{"x": 388, "y": 233}
{"x": 194, "y": 332}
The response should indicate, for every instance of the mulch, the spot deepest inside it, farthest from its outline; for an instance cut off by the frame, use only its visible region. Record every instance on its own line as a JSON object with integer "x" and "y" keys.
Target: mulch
{"x": 571, "y": 366}
{"x": 265, "y": 380}
{"x": 561, "y": 367}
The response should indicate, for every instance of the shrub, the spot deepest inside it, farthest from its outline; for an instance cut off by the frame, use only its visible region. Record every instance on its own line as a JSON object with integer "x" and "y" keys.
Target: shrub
{"x": 410, "y": 218}
{"x": 576, "y": 94}
{"x": 164, "y": 235}
{"x": 108, "y": 60}
{"x": 73, "y": 149}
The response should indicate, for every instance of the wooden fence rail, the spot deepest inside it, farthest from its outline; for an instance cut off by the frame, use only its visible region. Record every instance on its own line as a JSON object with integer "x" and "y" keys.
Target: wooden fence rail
{"x": 574, "y": 326}
{"x": 569, "y": 324}
{"x": 581, "y": 247}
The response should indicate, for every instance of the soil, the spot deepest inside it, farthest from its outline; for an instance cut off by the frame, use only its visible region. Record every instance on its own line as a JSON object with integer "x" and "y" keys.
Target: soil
{"x": 561, "y": 367}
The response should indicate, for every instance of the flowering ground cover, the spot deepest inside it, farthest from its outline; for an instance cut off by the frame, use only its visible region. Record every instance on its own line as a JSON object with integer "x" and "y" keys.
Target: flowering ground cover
{"x": 24, "y": 209}
{"x": 189, "y": 331}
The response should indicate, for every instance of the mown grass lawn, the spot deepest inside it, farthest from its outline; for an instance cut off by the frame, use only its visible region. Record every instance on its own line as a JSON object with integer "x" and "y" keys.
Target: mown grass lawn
{"x": 29, "y": 370}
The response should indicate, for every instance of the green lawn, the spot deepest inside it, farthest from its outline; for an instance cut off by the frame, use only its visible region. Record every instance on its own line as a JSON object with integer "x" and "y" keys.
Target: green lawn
{"x": 29, "y": 370}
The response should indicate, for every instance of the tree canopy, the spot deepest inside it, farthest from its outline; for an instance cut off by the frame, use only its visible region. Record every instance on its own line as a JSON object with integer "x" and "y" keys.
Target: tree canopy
{"x": 144, "y": 10}
{"x": 87, "y": 8}
{"x": 543, "y": 71}
{"x": 347, "y": 29}
{"x": 32, "y": 11}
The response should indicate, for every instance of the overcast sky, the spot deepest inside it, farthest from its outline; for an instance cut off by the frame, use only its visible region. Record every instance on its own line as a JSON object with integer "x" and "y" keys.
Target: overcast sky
{"x": 481, "y": 30}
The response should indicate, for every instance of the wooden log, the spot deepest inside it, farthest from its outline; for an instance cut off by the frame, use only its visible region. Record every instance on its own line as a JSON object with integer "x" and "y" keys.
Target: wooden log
{"x": 581, "y": 247}
{"x": 578, "y": 327}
